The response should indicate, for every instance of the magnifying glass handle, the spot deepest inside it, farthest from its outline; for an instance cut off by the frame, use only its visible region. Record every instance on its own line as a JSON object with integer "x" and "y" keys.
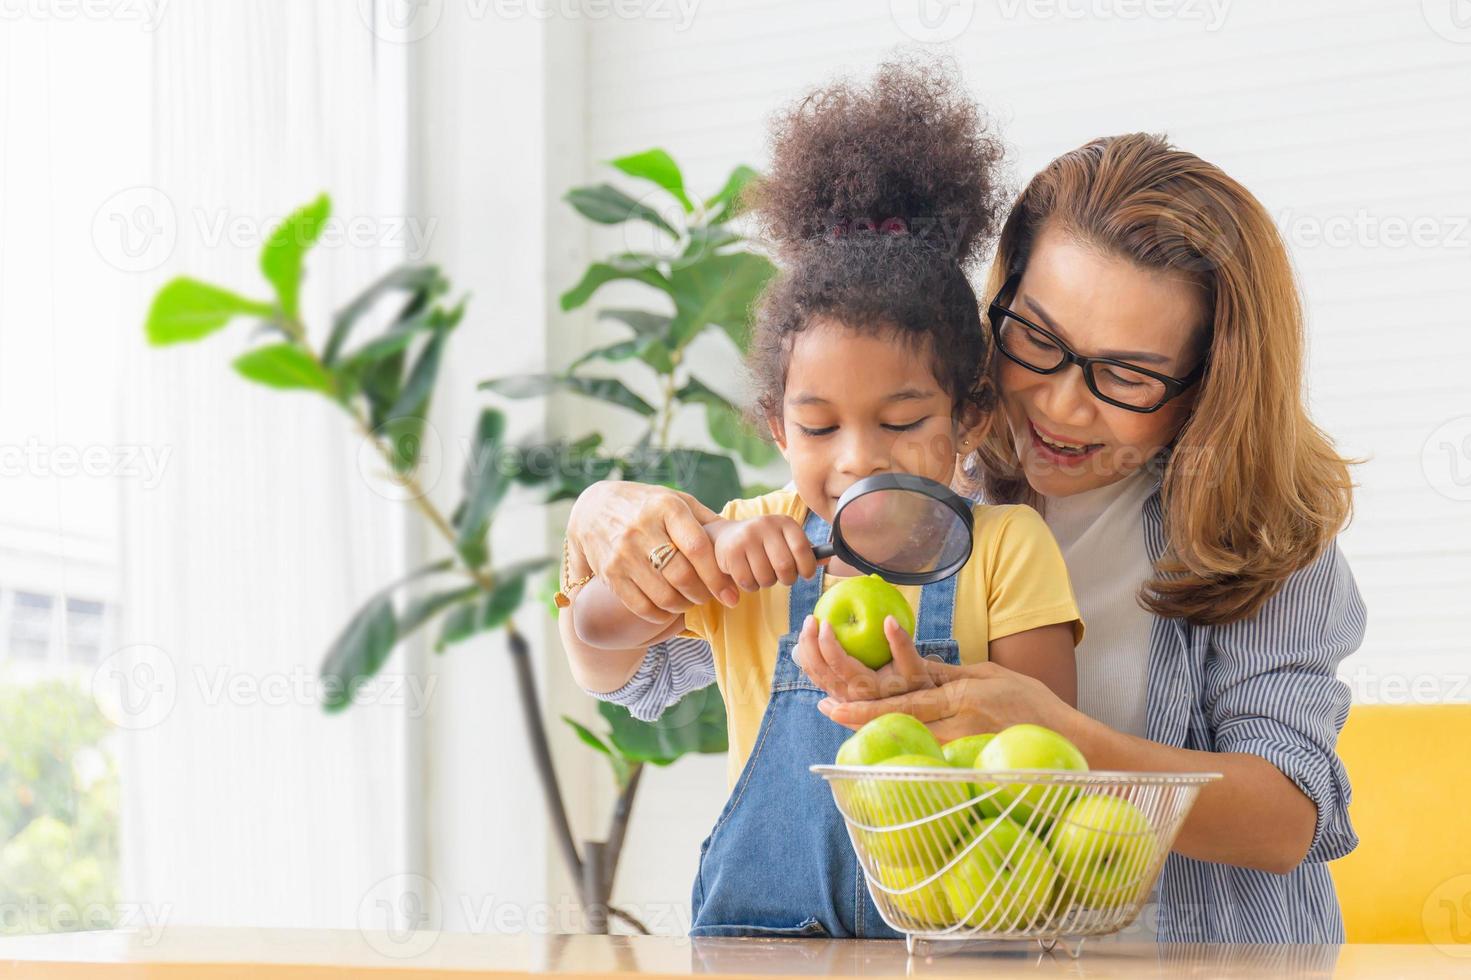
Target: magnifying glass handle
{"x": 824, "y": 550}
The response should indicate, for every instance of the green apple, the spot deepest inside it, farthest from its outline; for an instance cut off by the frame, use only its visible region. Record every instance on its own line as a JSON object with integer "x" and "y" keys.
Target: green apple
{"x": 856, "y": 607}
{"x": 1005, "y": 881}
{"x": 963, "y": 753}
{"x": 924, "y": 904}
{"x": 881, "y": 803}
{"x": 1103, "y": 846}
{"x": 887, "y": 736}
{"x": 1029, "y": 746}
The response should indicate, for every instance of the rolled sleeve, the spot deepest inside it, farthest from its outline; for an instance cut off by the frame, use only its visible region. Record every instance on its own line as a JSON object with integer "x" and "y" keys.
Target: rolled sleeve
{"x": 1272, "y": 690}
{"x": 668, "y": 672}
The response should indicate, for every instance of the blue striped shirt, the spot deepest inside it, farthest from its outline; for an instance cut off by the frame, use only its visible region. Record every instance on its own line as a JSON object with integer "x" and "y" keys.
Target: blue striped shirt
{"x": 1266, "y": 686}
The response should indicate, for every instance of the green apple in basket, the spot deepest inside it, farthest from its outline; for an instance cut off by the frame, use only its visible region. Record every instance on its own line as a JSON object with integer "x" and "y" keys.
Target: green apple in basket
{"x": 1103, "y": 846}
{"x": 964, "y": 753}
{"x": 1029, "y": 746}
{"x": 887, "y": 736}
{"x": 924, "y": 904}
{"x": 900, "y": 740}
{"x": 1006, "y": 880}
{"x": 856, "y": 607}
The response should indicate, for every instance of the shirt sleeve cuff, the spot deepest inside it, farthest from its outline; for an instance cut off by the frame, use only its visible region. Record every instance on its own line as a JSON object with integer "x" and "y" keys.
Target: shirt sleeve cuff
{"x": 1321, "y": 780}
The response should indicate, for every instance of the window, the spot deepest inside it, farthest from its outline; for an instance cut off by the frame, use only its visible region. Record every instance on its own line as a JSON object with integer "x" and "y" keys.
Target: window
{"x": 30, "y": 626}
{"x": 84, "y": 626}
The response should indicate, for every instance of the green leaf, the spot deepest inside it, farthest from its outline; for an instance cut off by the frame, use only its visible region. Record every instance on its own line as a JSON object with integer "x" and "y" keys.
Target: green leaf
{"x": 284, "y": 366}
{"x": 719, "y": 289}
{"x": 486, "y": 613}
{"x": 600, "y": 274}
{"x": 641, "y": 322}
{"x": 421, "y": 610}
{"x": 658, "y": 167}
{"x": 187, "y": 309}
{"x": 704, "y": 241}
{"x": 280, "y": 258}
{"x": 381, "y": 381}
{"x": 587, "y": 736}
{"x": 728, "y": 197}
{"x": 566, "y": 469}
{"x": 651, "y": 350}
{"x": 404, "y": 424}
{"x": 621, "y": 767}
{"x": 484, "y": 486}
{"x": 607, "y": 205}
{"x": 709, "y": 477}
{"x": 492, "y": 609}
{"x": 696, "y": 391}
{"x": 422, "y": 282}
{"x": 359, "y": 650}
{"x": 696, "y": 723}
{"x": 730, "y": 431}
{"x": 397, "y": 337}
{"x": 538, "y": 385}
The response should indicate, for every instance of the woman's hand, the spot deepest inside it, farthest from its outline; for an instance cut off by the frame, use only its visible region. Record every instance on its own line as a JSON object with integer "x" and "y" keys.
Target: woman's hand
{"x": 615, "y": 524}
{"x": 824, "y": 660}
{"x": 962, "y": 700}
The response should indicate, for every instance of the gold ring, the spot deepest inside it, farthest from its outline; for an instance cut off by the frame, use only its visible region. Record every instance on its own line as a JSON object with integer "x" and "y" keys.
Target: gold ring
{"x": 659, "y": 557}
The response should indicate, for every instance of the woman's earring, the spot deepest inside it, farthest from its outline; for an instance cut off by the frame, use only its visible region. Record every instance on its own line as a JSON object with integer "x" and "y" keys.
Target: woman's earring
{"x": 971, "y": 465}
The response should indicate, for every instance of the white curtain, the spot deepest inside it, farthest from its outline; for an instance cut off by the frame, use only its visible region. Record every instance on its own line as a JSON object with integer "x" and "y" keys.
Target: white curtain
{"x": 245, "y": 803}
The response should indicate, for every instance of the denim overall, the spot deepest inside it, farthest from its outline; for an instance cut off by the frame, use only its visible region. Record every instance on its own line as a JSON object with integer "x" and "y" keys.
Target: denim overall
{"x": 778, "y": 862}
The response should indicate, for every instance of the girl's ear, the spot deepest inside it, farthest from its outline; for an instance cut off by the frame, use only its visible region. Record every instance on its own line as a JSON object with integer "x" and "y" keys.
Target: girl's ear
{"x": 973, "y": 428}
{"x": 778, "y": 433}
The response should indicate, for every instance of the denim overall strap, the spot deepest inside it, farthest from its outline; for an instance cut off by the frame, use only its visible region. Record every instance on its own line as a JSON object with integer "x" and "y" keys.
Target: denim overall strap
{"x": 936, "y": 619}
{"x": 779, "y": 861}
{"x": 806, "y": 591}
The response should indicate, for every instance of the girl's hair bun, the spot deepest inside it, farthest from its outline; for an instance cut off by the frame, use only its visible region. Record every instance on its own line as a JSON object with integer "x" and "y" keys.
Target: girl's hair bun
{"x": 905, "y": 153}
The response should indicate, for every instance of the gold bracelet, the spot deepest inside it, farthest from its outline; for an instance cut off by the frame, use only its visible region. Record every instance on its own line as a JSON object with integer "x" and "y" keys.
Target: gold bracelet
{"x": 563, "y": 598}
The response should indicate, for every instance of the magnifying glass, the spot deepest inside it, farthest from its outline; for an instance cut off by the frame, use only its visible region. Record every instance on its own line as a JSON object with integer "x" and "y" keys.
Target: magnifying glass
{"x": 909, "y": 530}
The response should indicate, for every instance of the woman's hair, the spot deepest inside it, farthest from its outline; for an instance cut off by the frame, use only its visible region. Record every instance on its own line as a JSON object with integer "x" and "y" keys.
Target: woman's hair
{"x": 877, "y": 202}
{"x": 1252, "y": 490}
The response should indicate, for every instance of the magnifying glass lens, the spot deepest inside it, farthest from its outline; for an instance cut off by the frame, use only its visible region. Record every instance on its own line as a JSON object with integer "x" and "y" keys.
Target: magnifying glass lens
{"x": 903, "y": 531}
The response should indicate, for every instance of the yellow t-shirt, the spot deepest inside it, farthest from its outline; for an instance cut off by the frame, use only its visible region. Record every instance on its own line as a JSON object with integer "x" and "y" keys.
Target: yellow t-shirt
{"x": 1014, "y": 581}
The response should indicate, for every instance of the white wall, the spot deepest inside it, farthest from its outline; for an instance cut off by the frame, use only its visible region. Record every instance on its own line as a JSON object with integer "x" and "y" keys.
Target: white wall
{"x": 1342, "y": 114}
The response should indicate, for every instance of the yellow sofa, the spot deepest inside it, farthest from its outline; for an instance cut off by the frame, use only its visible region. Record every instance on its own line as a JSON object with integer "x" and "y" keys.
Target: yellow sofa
{"x": 1409, "y": 880}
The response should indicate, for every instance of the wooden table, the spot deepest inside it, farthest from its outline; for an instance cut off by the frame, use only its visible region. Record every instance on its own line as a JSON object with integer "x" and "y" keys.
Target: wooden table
{"x": 276, "y": 954}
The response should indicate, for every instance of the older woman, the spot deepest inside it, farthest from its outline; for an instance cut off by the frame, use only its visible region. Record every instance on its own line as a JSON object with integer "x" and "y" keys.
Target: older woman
{"x": 1151, "y": 340}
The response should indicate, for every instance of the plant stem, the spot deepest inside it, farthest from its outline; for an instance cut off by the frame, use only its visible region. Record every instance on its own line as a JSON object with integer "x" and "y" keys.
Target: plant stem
{"x": 542, "y": 756}
{"x": 618, "y": 828}
{"x": 616, "y": 913}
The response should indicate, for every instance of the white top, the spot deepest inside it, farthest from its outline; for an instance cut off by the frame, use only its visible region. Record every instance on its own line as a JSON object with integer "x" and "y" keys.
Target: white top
{"x": 1101, "y": 534}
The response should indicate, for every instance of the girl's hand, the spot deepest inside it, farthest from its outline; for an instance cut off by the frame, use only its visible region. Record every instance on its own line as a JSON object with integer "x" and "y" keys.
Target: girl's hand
{"x": 824, "y": 660}
{"x": 761, "y": 551}
{"x": 964, "y": 700}
{"x": 615, "y": 524}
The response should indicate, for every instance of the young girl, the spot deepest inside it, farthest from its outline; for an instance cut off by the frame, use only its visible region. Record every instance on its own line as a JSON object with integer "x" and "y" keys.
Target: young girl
{"x": 868, "y": 357}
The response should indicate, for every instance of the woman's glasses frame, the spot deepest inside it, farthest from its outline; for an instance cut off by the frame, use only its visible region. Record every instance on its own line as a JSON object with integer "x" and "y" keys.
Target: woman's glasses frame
{"x": 999, "y": 313}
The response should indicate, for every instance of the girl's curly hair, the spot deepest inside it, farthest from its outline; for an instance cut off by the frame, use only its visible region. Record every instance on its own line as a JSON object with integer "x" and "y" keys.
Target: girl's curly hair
{"x": 878, "y": 202}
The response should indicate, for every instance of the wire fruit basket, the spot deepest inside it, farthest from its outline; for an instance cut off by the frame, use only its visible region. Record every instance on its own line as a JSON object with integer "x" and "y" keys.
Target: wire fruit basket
{"x": 1050, "y": 855}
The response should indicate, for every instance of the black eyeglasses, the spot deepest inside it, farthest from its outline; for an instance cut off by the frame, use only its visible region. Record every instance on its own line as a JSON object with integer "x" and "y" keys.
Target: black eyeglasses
{"x": 1116, "y": 382}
